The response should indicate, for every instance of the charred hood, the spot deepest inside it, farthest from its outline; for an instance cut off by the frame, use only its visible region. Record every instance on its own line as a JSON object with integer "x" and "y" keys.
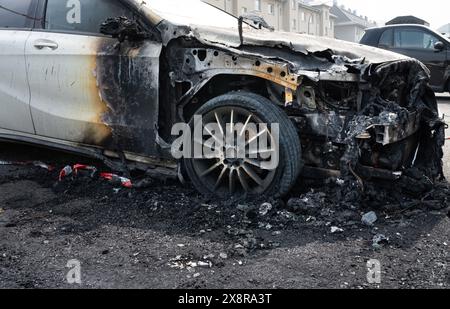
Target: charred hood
{"x": 301, "y": 43}
{"x": 392, "y": 87}
{"x": 391, "y": 84}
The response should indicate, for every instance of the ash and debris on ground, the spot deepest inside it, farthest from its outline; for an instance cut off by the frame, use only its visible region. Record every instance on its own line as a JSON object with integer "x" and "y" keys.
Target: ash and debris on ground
{"x": 168, "y": 236}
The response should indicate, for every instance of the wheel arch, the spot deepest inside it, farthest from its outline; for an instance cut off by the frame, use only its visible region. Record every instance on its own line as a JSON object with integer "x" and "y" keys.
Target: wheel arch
{"x": 221, "y": 84}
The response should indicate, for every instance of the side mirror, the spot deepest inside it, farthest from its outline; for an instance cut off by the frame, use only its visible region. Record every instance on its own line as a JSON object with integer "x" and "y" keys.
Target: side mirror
{"x": 123, "y": 29}
{"x": 439, "y": 46}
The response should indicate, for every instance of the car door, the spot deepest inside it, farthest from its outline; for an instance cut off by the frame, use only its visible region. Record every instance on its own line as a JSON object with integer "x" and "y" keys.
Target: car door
{"x": 16, "y": 21}
{"x": 419, "y": 43}
{"x": 87, "y": 88}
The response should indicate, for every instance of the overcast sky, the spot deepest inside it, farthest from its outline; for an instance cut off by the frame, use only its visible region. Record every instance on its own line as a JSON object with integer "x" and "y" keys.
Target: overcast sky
{"x": 436, "y": 12}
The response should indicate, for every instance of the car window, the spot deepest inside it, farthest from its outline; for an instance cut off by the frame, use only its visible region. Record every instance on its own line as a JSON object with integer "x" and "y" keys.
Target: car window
{"x": 386, "y": 38}
{"x": 82, "y": 15}
{"x": 16, "y": 14}
{"x": 416, "y": 39}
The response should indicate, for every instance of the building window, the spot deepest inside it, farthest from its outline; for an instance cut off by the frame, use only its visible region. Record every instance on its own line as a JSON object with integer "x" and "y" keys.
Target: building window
{"x": 294, "y": 24}
{"x": 244, "y": 10}
{"x": 258, "y": 5}
{"x": 303, "y": 16}
{"x": 294, "y": 4}
{"x": 271, "y": 9}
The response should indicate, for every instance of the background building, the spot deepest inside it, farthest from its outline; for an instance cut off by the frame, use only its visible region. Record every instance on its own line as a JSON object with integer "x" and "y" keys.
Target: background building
{"x": 316, "y": 18}
{"x": 349, "y": 26}
{"x": 302, "y": 16}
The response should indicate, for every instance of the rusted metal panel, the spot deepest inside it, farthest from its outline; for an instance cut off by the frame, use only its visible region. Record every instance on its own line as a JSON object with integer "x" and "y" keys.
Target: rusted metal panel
{"x": 212, "y": 62}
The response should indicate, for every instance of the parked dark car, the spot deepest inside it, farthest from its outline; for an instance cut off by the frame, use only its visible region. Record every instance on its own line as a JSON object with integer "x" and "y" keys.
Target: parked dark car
{"x": 418, "y": 42}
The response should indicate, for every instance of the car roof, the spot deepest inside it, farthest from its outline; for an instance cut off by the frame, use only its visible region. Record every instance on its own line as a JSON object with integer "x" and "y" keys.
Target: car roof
{"x": 401, "y": 25}
{"x": 407, "y": 25}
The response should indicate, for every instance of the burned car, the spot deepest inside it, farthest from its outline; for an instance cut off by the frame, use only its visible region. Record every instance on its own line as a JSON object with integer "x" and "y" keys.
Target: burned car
{"x": 110, "y": 79}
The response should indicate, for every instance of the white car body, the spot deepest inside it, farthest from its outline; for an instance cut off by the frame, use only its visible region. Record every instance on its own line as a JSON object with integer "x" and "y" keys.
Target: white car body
{"x": 49, "y": 88}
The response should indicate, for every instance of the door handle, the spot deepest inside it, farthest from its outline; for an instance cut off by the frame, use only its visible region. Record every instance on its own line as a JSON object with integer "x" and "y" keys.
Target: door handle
{"x": 41, "y": 44}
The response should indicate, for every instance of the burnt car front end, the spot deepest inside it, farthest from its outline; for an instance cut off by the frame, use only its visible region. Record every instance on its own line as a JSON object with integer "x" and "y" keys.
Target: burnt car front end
{"x": 359, "y": 111}
{"x": 380, "y": 124}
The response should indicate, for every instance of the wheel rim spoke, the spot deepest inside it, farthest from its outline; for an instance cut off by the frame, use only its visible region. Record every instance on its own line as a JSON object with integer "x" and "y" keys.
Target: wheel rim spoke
{"x": 260, "y": 152}
{"x": 219, "y": 122}
{"x": 232, "y": 181}
{"x": 250, "y": 172}
{"x": 211, "y": 169}
{"x": 257, "y": 164}
{"x": 219, "y": 142}
{"x": 220, "y": 178}
{"x": 243, "y": 181}
{"x": 253, "y": 139}
{"x": 245, "y": 125}
{"x": 232, "y": 121}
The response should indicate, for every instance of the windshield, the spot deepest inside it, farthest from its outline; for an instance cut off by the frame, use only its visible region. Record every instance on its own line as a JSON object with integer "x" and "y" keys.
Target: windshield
{"x": 187, "y": 12}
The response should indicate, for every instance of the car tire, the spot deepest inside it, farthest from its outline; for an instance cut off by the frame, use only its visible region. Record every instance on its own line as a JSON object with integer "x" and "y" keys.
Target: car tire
{"x": 260, "y": 110}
